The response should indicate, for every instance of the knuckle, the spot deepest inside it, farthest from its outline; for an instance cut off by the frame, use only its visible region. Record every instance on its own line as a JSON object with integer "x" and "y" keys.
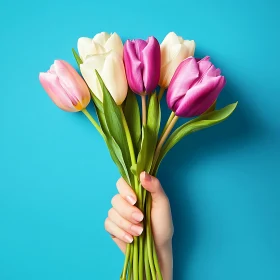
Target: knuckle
{"x": 110, "y": 212}
{"x": 119, "y": 182}
{"x": 115, "y": 199}
{"x": 156, "y": 183}
{"x": 121, "y": 223}
{"x": 106, "y": 224}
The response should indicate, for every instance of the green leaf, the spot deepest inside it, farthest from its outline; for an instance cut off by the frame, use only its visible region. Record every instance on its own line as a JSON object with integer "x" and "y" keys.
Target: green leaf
{"x": 149, "y": 137}
{"x": 117, "y": 156}
{"x": 201, "y": 122}
{"x": 143, "y": 157}
{"x": 114, "y": 149}
{"x": 96, "y": 101}
{"x": 77, "y": 57}
{"x": 153, "y": 126}
{"x": 132, "y": 115}
{"x": 113, "y": 117}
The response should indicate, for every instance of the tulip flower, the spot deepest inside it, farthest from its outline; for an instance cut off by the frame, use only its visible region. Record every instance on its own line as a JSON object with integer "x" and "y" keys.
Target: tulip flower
{"x": 111, "y": 69}
{"x": 65, "y": 87}
{"x": 142, "y": 64}
{"x": 194, "y": 87}
{"x": 174, "y": 49}
{"x": 101, "y": 43}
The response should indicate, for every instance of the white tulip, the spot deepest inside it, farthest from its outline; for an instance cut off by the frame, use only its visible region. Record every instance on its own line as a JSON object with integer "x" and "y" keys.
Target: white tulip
{"x": 174, "y": 49}
{"x": 111, "y": 69}
{"x": 101, "y": 43}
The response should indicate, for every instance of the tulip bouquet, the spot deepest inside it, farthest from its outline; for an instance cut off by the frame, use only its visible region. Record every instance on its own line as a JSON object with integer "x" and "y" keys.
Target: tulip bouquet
{"x": 112, "y": 75}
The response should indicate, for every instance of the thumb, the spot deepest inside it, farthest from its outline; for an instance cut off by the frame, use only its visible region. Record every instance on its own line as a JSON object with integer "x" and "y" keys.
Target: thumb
{"x": 152, "y": 185}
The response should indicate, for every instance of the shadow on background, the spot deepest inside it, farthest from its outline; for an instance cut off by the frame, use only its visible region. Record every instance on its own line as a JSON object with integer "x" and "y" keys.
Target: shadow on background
{"x": 238, "y": 131}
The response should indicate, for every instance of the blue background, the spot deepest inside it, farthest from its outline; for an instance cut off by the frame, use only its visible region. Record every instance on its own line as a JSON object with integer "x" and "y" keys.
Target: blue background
{"x": 57, "y": 178}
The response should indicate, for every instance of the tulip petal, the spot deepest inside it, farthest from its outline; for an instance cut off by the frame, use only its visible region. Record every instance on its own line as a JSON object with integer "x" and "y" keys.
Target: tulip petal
{"x": 199, "y": 98}
{"x": 167, "y": 54}
{"x": 113, "y": 75}
{"x": 184, "y": 77}
{"x": 207, "y": 68}
{"x": 88, "y": 68}
{"x": 213, "y": 72}
{"x": 170, "y": 39}
{"x": 139, "y": 46}
{"x": 72, "y": 82}
{"x": 96, "y": 49}
{"x": 84, "y": 47}
{"x": 151, "y": 64}
{"x": 101, "y": 38}
{"x": 114, "y": 43}
{"x": 51, "y": 84}
{"x": 133, "y": 67}
{"x": 204, "y": 65}
{"x": 170, "y": 61}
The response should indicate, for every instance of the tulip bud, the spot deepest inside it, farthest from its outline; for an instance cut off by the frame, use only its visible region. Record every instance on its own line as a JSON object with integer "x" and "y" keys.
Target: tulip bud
{"x": 194, "y": 87}
{"x": 65, "y": 87}
{"x": 142, "y": 64}
{"x": 174, "y": 49}
{"x": 111, "y": 69}
{"x": 101, "y": 43}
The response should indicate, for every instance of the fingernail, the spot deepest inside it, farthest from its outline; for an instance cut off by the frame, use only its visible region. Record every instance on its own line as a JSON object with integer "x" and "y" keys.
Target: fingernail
{"x": 147, "y": 176}
{"x": 128, "y": 238}
{"x": 131, "y": 200}
{"x": 137, "y": 229}
{"x": 137, "y": 216}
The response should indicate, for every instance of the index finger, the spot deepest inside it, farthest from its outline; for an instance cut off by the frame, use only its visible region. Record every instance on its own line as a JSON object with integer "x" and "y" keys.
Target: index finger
{"x": 126, "y": 191}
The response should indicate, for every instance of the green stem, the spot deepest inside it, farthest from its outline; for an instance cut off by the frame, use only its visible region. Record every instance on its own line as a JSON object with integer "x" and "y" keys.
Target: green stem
{"x": 141, "y": 237}
{"x": 149, "y": 236}
{"x": 92, "y": 120}
{"x": 162, "y": 140}
{"x": 130, "y": 263}
{"x": 141, "y": 257}
{"x": 135, "y": 258}
{"x": 172, "y": 115}
{"x": 161, "y": 92}
{"x": 130, "y": 146}
{"x": 144, "y": 109}
{"x": 127, "y": 254}
{"x": 147, "y": 266}
{"x": 133, "y": 161}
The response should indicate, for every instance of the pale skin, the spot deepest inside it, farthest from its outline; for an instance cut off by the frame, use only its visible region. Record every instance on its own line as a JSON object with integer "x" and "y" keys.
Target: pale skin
{"x": 124, "y": 220}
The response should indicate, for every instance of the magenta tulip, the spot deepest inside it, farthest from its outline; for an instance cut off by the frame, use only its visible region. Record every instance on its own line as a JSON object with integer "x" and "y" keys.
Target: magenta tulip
{"x": 195, "y": 86}
{"x": 142, "y": 64}
{"x": 65, "y": 87}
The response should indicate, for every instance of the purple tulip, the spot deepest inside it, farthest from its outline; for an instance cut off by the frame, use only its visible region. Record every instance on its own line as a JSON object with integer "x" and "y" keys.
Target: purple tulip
{"x": 195, "y": 86}
{"x": 142, "y": 64}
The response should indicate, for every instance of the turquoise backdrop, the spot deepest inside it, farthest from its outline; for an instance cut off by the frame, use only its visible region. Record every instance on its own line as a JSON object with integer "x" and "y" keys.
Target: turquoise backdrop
{"x": 57, "y": 178}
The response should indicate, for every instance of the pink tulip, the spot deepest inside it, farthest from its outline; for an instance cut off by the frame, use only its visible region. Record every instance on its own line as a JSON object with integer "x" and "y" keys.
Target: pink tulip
{"x": 65, "y": 87}
{"x": 195, "y": 86}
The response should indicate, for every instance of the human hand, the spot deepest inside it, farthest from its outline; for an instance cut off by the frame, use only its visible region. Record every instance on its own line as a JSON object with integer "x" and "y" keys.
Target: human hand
{"x": 124, "y": 219}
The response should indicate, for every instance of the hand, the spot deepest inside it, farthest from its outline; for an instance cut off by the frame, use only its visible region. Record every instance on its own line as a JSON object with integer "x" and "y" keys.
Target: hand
{"x": 124, "y": 219}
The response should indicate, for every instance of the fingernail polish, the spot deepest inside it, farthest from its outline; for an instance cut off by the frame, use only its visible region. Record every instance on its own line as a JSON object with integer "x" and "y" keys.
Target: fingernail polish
{"x": 147, "y": 176}
{"x": 137, "y": 216}
{"x": 137, "y": 229}
{"x": 128, "y": 238}
{"x": 131, "y": 200}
